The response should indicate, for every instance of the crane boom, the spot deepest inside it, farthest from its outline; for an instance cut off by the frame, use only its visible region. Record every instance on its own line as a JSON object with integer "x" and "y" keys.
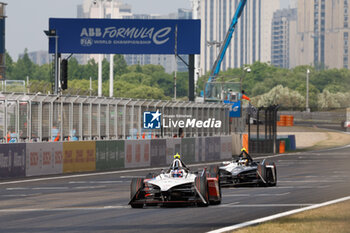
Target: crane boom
{"x": 216, "y": 67}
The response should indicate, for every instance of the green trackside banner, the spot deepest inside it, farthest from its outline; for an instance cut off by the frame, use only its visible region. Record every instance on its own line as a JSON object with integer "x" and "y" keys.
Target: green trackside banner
{"x": 109, "y": 155}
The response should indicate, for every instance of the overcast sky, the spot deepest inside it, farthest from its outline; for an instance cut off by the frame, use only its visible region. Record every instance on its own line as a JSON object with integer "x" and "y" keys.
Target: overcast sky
{"x": 26, "y": 19}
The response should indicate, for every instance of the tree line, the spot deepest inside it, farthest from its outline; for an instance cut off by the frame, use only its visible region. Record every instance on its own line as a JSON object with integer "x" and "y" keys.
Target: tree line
{"x": 265, "y": 84}
{"x": 135, "y": 81}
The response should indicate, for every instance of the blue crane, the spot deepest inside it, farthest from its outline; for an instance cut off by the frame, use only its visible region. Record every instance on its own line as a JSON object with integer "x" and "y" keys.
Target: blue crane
{"x": 216, "y": 67}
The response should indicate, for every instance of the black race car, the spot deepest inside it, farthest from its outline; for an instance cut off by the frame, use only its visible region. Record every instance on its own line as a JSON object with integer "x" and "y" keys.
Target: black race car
{"x": 245, "y": 171}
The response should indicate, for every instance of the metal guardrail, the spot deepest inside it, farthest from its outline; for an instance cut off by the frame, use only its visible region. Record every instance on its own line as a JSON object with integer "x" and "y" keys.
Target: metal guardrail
{"x": 38, "y": 117}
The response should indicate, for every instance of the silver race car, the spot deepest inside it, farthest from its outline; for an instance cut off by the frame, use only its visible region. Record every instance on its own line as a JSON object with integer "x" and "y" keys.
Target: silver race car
{"x": 177, "y": 185}
{"x": 245, "y": 171}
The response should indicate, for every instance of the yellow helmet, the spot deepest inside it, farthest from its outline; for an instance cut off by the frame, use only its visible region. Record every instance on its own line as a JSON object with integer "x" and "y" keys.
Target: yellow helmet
{"x": 244, "y": 149}
{"x": 177, "y": 156}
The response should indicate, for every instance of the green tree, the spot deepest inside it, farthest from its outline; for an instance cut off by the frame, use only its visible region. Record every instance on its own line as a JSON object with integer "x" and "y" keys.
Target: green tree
{"x": 74, "y": 69}
{"x": 90, "y": 70}
{"x": 9, "y": 65}
{"x": 283, "y": 96}
{"x": 120, "y": 67}
{"x": 23, "y": 68}
{"x": 41, "y": 72}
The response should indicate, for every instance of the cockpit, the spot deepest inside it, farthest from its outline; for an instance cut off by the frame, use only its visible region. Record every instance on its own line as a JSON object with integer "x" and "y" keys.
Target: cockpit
{"x": 177, "y": 167}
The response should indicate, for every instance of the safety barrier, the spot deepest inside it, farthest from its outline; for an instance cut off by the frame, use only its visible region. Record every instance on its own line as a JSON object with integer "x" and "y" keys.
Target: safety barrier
{"x": 79, "y": 156}
{"x": 12, "y": 160}
{"x": 47, "y": 158}
{"x": 38, "y": 117}
{"x": 44, "y": 158}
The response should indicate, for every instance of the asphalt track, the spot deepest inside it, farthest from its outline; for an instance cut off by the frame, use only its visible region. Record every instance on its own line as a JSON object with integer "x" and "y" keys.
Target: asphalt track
{"x": 98, "y": 203}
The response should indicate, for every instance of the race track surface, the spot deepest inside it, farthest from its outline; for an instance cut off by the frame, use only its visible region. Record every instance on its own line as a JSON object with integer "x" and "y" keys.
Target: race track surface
{"x": 98, "y": 203}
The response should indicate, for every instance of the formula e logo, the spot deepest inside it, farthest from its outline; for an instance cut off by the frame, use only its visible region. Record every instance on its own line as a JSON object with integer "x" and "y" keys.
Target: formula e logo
{"x": 151, "y": 120}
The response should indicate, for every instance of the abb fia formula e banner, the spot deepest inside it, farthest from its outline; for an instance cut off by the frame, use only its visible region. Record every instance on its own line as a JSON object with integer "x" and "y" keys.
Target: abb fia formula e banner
{"x": 44, "y": 158}
{"x": 125, "y": 36}
{"x": 79, "y": 156}
{"x": 137, "y": 153}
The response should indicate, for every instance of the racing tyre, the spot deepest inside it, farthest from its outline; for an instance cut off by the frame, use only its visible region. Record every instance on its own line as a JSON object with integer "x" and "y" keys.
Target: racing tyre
{"x": 261, "y": 175}
{"x": 215, "y": 173}
{"x": 135, "y": 187}
{"x": 201, "y": 184}
{"x": 274, "y": 178}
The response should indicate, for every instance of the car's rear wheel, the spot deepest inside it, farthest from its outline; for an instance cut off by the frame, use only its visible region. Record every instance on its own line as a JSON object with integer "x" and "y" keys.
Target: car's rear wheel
{"x": 201, "y": 184}
{"x": 214, "y": 172}
{"x": 261, "y": 173}
{"x": 135, "y": 192}
{"x": 273, "y": 176}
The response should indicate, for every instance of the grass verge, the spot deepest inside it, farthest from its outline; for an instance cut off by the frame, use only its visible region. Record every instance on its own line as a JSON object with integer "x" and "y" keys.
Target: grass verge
{"x": 329, "y": 219}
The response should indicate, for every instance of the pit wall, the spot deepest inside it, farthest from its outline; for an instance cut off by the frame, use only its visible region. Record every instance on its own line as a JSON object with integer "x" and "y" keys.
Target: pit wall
{"x": 51, "y": 158}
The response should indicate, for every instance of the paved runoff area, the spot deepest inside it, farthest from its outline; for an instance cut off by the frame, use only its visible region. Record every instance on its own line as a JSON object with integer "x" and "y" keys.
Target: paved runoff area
{"x": 98, "y": 202}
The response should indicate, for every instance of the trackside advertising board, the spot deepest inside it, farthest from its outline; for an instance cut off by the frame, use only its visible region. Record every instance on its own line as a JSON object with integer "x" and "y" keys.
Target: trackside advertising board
{"x": 125, "y": 36}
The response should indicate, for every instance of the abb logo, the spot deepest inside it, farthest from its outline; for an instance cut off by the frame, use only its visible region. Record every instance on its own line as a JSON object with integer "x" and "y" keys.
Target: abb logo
{"x": 46, "y": 158}
{"x": 90, "y": 155}
{"x": 79, "y": 156}
{"x": 58, "y": 157}
{"x": 68, "y": 156}
{"x": 34, "y": 158}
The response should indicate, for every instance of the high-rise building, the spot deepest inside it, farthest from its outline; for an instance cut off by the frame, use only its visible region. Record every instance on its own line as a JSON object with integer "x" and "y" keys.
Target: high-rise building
{"x": 252, "y": 39}
{"x": 115, "y": 9}
{"x": 38, "y": 57}
{"x": 284, "y": 28}
{"x": 123, "y": 11}
{"x": 293, "y": 4}
{"x": 323, "y": 33}
{"x": 2, "y": 41}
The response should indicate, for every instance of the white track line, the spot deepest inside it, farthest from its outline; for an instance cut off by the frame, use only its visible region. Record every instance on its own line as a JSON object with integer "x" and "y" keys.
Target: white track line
{"x": 50, "y": 188}
{"x": 275, "y": 216}
{"x": 264, "y": 205}
{"x": 256, "y": 195}
{"x": 62, "y": 209}
{"x": 96, "y": 174}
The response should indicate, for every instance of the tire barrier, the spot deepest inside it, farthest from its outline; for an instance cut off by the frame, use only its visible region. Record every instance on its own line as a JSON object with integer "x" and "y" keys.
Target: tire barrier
{"x": 47, "y": 158}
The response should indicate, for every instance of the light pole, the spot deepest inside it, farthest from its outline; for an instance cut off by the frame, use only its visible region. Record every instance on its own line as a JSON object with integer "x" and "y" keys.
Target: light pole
{"x": 111, "y": 62}
{"x": 100, "y": 61}
{"x": 246, "y": 69}
{"x": 307, "y": 90}
{"x": 52, "y": 34}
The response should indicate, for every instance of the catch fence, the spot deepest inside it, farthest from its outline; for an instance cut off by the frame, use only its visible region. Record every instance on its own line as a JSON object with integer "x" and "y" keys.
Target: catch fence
{"x": 38, "y": 117}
